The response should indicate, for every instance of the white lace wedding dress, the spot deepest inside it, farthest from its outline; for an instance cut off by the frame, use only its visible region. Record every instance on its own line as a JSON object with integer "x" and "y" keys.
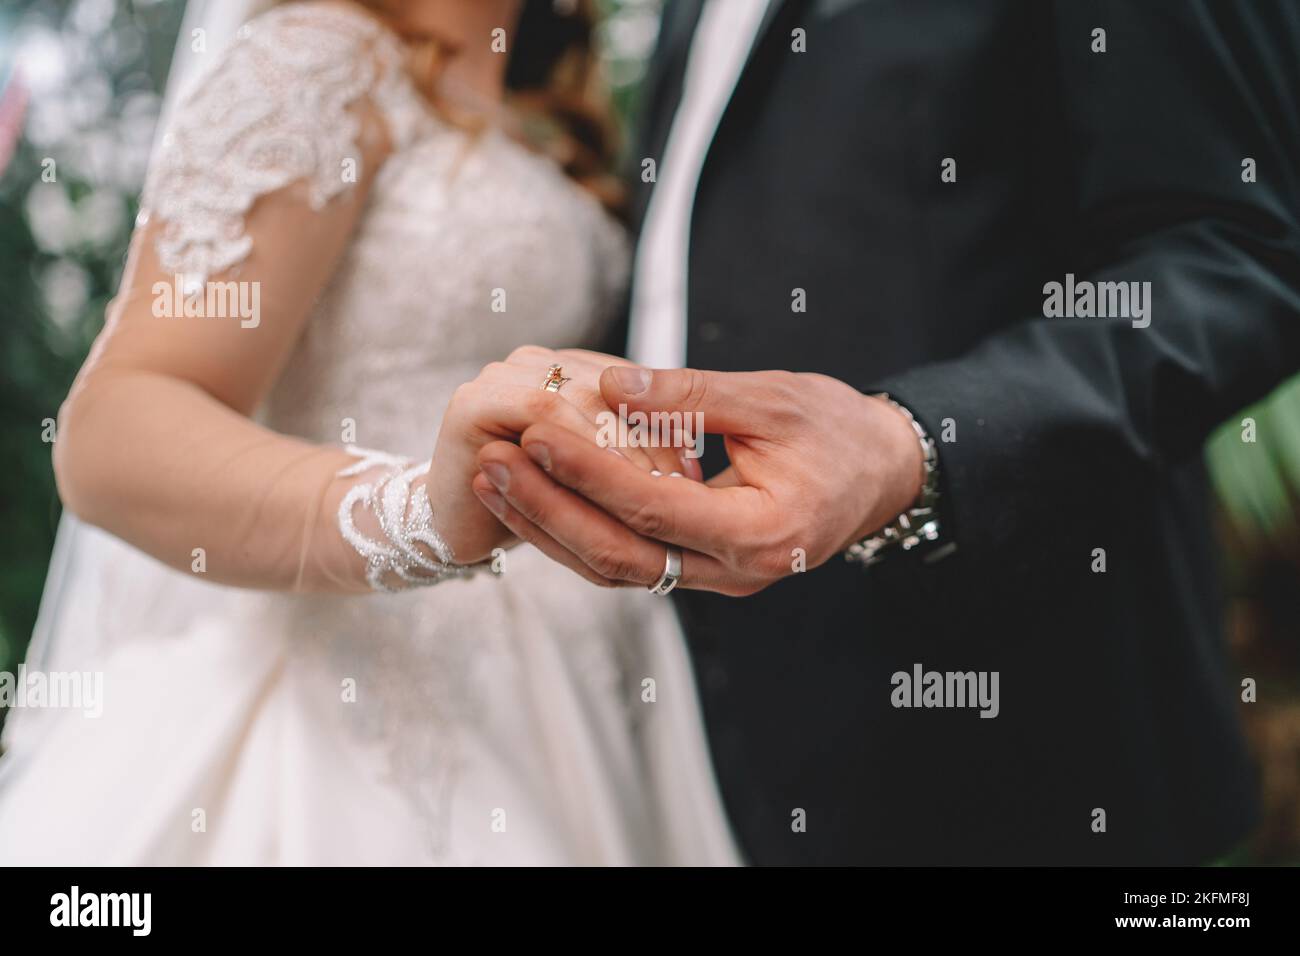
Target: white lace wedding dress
{"x": 529, "y": 718}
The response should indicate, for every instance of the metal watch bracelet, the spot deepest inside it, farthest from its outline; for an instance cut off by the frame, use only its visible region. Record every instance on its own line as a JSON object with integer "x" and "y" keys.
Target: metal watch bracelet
{"x": 915, "y": 525}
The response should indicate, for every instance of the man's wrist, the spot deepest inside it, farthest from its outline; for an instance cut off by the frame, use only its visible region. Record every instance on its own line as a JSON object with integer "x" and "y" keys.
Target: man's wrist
{"x": 915, "y": 505}
{"x": 913, "y": 455}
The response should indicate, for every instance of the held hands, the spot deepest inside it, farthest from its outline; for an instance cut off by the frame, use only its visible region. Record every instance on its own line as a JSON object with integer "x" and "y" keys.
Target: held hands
{"x": 815, "y": 465}
{"x": 498, "y": 406}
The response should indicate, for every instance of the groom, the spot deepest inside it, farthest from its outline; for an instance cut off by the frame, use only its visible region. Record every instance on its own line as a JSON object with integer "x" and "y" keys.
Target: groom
{"x": 1062, "y": 238}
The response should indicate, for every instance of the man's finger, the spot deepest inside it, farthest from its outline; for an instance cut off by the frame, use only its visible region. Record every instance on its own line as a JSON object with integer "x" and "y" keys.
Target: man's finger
{"x": 727, "y": 478}
{"x": 686, "y": 513}
{"x": 526, "y": 368}
{"x": 730, "y": 403}
{"x": 526, "y": 531}
{"x": 606, "y": 547}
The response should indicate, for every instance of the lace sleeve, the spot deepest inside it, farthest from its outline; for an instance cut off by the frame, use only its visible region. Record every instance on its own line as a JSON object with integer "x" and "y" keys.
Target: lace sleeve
{"x": 386, "y": 518}
{"x": 274, "y": 110}
{"x": 156, "y": 443}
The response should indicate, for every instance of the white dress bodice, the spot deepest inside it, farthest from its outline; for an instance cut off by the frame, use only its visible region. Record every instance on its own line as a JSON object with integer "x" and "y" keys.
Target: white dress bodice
{"x": 523, "y": 718}
{"x": 470, "y": 244}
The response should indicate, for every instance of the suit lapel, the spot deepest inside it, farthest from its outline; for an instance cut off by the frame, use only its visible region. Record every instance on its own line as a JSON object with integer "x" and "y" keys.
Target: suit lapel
{"x": 769, "y": 15}
{"x": 675, "y": 32}
{"x": 663, "y": 84}
{"x": 662, "y": 93}
{"x": 761, "y": 67}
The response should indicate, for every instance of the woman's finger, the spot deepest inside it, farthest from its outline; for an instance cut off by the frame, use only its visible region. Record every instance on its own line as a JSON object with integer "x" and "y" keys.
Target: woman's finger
{"x": 528, "y": 367}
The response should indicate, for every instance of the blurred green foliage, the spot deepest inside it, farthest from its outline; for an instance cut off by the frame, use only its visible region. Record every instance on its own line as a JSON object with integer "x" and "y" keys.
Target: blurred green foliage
{"x": 90, "y": 71}
{"x": 1254, "y": 459}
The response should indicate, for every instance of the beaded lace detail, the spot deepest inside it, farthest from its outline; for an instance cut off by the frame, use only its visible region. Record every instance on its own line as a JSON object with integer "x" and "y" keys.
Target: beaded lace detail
{"x": 395, "y": 559}
{"x": 274, "y": 110}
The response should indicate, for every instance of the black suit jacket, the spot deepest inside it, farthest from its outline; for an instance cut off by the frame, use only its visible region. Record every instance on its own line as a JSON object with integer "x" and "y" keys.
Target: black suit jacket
{"x": 1071, "y": 435}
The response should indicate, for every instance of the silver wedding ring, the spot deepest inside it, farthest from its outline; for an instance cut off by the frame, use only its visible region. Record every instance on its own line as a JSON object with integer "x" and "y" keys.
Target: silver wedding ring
{"x": 672, "y": 573}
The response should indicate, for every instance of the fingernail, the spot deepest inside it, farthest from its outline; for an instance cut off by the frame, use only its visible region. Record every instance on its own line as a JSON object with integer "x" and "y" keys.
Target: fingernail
{"x": 656, "y": 473}
{"x": 691, "y": 467}
{"x": 675, "y": 474}
{"x": 498, "y": 474}
{"x": 633, "y": 381}
{"x": 492, "y": 501}
{"x": 540, "y": 454}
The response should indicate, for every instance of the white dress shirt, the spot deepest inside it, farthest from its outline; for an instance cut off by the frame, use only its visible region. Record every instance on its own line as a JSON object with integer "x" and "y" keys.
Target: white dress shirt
{"x": 719, "y": 49}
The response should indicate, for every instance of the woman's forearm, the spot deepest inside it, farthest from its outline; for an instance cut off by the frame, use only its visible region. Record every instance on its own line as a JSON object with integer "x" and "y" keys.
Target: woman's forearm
{"x": 163, "y": 465}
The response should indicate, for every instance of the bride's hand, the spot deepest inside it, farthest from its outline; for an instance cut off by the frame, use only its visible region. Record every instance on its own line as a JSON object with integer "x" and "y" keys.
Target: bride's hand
{"x": 582, "y": 369}
{"x": 500, "y": 404}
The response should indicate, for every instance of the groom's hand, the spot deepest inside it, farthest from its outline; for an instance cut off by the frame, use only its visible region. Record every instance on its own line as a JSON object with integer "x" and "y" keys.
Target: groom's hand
{"x": 815, "y": 465}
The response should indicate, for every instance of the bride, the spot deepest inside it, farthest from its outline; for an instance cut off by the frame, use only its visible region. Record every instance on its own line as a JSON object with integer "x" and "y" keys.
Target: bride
{"x": 358, "y": 174}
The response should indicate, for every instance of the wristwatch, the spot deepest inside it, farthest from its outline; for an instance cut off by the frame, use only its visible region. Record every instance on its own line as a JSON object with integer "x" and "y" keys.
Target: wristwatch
{"x": 918, "y": 523}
